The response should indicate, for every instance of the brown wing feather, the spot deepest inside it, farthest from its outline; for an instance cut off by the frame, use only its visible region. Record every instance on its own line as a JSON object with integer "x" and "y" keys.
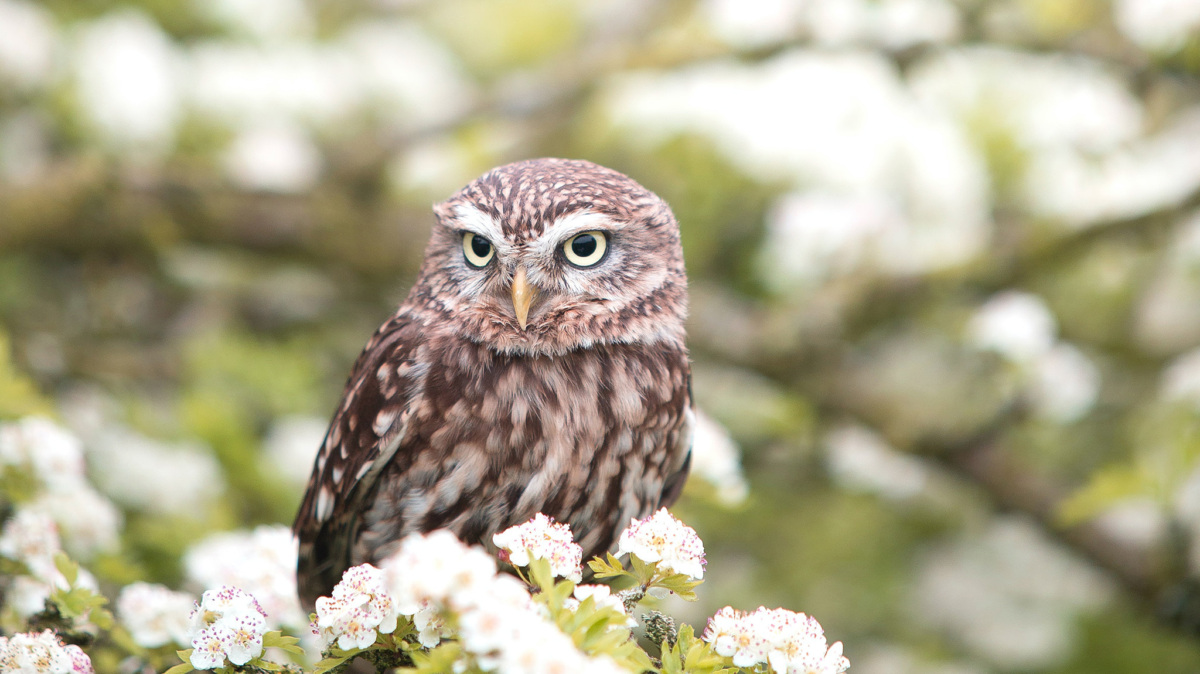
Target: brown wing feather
{"x": 366, "y": 430}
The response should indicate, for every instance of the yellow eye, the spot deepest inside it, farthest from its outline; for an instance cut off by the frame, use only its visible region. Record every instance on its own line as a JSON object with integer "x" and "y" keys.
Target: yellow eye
{"x": 586, "y": 249}
{"x": 477, "y": 250}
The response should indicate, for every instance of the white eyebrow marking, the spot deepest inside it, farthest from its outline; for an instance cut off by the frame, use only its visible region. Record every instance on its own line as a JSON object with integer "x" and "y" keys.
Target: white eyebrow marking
{"x": 474, "y": 220}
{"x": 572, "y": 223}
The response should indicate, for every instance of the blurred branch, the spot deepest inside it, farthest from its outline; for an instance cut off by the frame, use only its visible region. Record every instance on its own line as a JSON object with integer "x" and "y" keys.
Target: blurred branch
{"x": 1014, "y": 487}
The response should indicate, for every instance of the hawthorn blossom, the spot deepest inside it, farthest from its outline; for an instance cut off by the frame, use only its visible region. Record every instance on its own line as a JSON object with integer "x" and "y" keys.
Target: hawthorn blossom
{"x": 31, "y": 537}
{"x": 542, "y": 538}
{"x": 226, "y": 624}
{"x": 430, "y": 625}
{"x": 359, "y": 609}
{"x": 435, "y": 576}
{"x": 50, "y": 453}
{"x": 787, "y": 642}
{"x": 664, "y": 539}
{"x": 262, "y": 562}
{"x": 154, "y": 614}
{"x": 41, "y": 653}
{"x": 436, "y": 567}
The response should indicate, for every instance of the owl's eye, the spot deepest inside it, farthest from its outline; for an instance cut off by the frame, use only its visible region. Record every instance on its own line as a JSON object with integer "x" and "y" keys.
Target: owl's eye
{"x": 477, "y": 250}
{"x": 586, "y": 249}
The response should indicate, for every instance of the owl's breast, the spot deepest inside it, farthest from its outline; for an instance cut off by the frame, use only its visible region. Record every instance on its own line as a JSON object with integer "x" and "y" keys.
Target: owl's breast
{"x": 587, "y": 438}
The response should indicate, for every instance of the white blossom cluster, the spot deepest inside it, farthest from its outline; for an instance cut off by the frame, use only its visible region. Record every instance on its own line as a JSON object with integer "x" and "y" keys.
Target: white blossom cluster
{"x": 53, "y": 457}
{"x": 41, "y": 653}
{"x": 155, "y": 615}
{"x": 664, "y": 539}
{"x": 787, "y": 642}
{"x": 1062, "y": 382}
{"x": 358, "y": 611}
{"x": 269, "y": 85}
{"x": 262, "y": 562}
{"x": 542, "y": 538}
{"x": 227, "y": 626}
{"x": 433, "y": 576}
{"x": 143, "y": 473}
{"x": 31, "y": 537}
{"x": 717, "y": 459}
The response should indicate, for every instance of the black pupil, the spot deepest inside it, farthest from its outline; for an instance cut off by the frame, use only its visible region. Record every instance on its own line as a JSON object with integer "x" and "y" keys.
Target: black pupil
{"x": 583, "y": 245}
{"x": 480, "y": 246}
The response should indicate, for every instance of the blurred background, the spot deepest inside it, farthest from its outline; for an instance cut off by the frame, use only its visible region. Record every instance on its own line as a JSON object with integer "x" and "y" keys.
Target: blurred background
{"x": 944, "y": 261}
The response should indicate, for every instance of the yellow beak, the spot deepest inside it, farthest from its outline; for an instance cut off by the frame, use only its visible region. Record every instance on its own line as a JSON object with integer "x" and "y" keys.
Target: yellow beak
{"x": 523, "y": 294}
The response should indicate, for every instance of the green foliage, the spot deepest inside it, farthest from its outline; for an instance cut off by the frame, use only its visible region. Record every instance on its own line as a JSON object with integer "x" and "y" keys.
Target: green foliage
{"x": 691, "y": 655}
{"x": 79, "y": 604}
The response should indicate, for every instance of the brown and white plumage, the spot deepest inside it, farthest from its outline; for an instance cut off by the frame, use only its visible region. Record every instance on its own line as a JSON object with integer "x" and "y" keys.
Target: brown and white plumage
{"x": 551, "y": 378}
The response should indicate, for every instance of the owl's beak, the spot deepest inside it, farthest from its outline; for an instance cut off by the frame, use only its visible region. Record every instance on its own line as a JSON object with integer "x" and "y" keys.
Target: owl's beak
{"x": 523, "y": 294}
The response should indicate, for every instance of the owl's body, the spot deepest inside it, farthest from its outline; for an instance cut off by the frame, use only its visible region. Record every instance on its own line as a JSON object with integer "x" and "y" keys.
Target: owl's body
{"x": 538, "y": 365}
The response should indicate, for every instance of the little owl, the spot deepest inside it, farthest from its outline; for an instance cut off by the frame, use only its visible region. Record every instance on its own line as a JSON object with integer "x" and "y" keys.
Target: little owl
{"x": 537, "y": 365}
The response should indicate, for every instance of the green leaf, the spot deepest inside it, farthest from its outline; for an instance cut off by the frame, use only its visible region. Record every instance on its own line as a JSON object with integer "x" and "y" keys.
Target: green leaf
{"x": 540, "y": 574}
{"x": 68, "y": 568}
{"x": 610, "y": 567}
{"x": 1105, "y": 488}
{"x": 185, "y": 666}
{"x": 330, "y": 664}
{"x": 680, "y": 584}
{"x": 276, "y": 639}
{"x": 439, "y": 660}
{"x": 642, "y": 571}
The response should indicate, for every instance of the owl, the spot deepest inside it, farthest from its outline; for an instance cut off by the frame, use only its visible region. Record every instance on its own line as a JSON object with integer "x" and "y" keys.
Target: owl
{"x": 537, "y": 365}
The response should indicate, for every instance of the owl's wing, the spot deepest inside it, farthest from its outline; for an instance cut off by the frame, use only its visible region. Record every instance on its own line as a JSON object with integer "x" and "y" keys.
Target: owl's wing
{"x": 677, "y": 474}
{"x": 368, "y": 428}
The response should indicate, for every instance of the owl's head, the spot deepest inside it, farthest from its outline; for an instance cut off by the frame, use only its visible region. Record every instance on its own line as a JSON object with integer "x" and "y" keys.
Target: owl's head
{"x": 549, "y": 255}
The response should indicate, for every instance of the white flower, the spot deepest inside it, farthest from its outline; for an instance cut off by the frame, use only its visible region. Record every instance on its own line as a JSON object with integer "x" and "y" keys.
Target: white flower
{"x": 155, "y": 615}
{"x": 359, "y": 609}
{"x": 88, "y": 521}
{"x": 31, "y": 537}
{"x": 860, "y": 140}
{"x": 27, "y": 42}
{"x": 1015, "y": 324}
{"x": 262, "y": 562}
{"x": 717, "y": 459}
{"x": 41, "y": 653}
{"x": 436, "y": 567}
{"x": 127, "y": 72}
{"x": 248, "y": 630}
{"x": 430, "y": 625}
{"x": 210, "y": 647}
{"x": 539, "y": 646}
{"x": 487, "y": 627}
{"x": 542, "y": 538}
{"x": 146, "y": 474}
{"x": 861, "y": 460}
{"x": 292, "y": 444}
{"x": 227, "y": 624}
{"x": 274, "y": 157}
{"x": 1158, "y": 25}
{"x": 784, "y": 641}
{"x": 1066, "y": 384}
{"x": 1180, "y": 379}
{"x": 664, "y": 539}
{"x": 50, "y": 453}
